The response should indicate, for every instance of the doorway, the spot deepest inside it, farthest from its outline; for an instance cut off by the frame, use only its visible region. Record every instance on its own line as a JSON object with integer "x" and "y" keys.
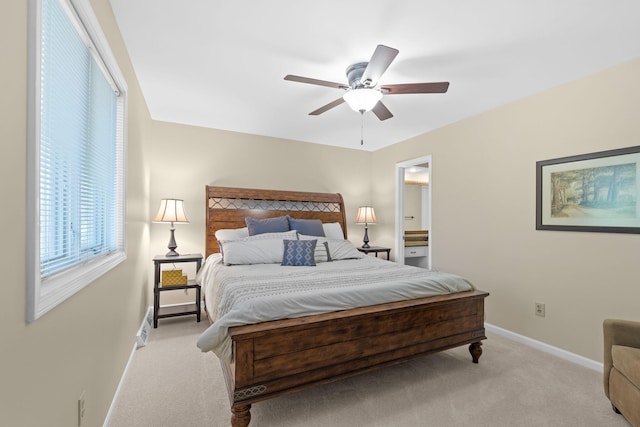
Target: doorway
{"x": 413, "y": 212}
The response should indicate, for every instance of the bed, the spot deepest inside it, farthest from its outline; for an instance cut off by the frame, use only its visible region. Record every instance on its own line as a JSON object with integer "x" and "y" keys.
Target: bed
{"x": 277, "y": 357}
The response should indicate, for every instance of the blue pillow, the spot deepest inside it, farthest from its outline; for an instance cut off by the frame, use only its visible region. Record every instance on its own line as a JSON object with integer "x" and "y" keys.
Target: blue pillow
{"x": 269, "y": 225}
{"x": 310, "y": 227}
{"x": 299, "y": 253}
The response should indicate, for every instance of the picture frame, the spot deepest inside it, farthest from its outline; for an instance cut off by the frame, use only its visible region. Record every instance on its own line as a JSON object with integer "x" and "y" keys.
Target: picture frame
{"x": 595, "y": 192}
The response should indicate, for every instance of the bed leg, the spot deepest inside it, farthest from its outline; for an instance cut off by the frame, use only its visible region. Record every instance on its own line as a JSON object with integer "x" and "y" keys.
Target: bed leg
{"x": 240, "y": 415}
{"x": 476, "y": 351}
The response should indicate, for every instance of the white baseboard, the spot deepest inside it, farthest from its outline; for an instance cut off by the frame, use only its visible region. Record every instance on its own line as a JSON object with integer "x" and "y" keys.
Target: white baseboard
{"x": 107, "y": 420}
{"x": 563, "y": 354}
{"x": 136, "y": 345}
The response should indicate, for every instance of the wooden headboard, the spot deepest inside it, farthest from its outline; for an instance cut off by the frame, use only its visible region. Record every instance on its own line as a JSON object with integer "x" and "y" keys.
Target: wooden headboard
{"x": 227, "y": 207}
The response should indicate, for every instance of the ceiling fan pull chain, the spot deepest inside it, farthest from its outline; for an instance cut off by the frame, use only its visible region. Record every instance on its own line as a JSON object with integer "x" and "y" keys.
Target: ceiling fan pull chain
{"x": 362, "y": 127}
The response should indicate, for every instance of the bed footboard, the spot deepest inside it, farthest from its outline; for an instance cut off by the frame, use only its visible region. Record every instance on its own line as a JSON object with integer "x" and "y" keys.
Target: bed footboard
{"x": 284, "y": 356}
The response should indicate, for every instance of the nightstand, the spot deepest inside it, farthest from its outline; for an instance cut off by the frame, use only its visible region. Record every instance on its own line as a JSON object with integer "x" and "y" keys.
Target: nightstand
{"x": 375, "y": 250}
{"x": 161, "y": 312}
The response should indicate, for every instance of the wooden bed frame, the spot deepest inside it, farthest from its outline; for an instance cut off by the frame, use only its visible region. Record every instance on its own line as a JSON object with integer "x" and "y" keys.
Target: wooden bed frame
{"x": 284, "y": 356}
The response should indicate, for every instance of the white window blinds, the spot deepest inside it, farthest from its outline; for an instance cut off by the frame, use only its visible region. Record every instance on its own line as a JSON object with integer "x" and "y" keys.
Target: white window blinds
{"x": 80, "y": 179}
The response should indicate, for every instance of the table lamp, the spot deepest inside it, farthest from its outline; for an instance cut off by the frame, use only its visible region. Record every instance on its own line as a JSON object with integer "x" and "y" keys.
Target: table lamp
{"x": 366, "y": 215}
{"x": 171, "y": 210}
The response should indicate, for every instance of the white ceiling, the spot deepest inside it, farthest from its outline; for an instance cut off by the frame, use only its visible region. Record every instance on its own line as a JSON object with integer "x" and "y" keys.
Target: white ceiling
{"x": 221, "y": 64}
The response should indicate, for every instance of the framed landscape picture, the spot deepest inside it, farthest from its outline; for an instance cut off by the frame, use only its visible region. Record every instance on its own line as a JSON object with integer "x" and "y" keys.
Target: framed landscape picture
{"x": 590, "y": 192}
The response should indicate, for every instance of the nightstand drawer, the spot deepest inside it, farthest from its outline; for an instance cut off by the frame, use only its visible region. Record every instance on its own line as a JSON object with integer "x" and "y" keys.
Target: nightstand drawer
{"x": 415, "y": 251}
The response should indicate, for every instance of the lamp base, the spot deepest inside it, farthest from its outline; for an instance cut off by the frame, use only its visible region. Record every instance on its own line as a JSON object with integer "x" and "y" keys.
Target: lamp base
{"x": 172, "y": 244}
{"x": 366, "y": 239}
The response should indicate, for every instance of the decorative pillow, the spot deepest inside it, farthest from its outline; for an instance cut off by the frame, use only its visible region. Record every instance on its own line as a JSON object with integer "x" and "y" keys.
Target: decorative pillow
{"x": 333, "y": 230}
{"x": 299, "y": 253}
{"x": 343, "y": 249}
{"x": 310, "y": 227}
{"x": 232, "y": 233}
{"x": 263, "y": 248}
{"x": 322, "y": 247}
{"x": 268, "y": 225}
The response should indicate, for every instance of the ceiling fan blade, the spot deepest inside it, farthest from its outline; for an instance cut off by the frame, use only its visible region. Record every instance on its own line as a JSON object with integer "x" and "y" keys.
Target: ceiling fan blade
{"x": 378, "y": 64}
{"x": 327, "y": 107}
{"x": 438, "y": 87}
{"x": 315, "y": 81}
{"x": 381, "y": 111}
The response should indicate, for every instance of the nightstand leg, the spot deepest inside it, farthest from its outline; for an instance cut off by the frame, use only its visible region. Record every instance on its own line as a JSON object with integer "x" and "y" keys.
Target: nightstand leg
{"x": 156, "y": 294}
{"x": 156, "y": 308}
{"x": 198, "y": 309}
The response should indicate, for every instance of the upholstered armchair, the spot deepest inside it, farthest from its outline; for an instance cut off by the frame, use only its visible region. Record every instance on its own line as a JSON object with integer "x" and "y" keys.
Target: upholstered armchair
{"x": 622, "y": 367}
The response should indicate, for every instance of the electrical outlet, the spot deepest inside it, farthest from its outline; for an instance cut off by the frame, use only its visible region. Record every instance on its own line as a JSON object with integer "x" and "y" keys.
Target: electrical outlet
{"x": 539, "y": 309}
{"x": 81, "y": 410}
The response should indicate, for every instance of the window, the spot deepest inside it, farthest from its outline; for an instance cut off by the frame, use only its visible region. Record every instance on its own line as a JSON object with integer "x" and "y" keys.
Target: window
{"x": 77, "y": 104}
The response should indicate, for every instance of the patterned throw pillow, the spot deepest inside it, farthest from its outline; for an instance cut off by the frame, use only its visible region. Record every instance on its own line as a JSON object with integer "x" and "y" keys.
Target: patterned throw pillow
{"x": 299, "y": 253}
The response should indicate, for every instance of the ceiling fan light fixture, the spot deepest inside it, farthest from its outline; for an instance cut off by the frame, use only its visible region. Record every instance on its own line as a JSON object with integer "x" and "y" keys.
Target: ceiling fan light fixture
{"x": 362, "y": 99}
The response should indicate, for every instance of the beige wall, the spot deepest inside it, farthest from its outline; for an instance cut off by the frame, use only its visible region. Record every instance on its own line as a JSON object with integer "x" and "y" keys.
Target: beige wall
{"x": 483, "y": 198}
{"x": 83, "y": 344}
{"x": 185, "y": 159}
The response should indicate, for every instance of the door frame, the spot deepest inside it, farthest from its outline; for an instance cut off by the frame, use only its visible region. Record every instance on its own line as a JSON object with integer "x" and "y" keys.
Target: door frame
{"x": 400, "y": 168}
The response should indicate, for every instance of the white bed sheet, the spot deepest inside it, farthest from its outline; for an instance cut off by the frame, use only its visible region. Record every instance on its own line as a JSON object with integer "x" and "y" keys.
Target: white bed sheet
{"x": 248, "y": 294}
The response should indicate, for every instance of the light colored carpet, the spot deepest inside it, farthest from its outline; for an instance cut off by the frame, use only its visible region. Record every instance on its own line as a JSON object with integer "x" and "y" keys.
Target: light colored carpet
{"x": 170, "y": 383}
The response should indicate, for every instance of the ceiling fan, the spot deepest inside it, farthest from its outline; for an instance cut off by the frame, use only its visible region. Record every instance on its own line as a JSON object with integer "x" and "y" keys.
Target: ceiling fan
{"x": 363, "y": 92}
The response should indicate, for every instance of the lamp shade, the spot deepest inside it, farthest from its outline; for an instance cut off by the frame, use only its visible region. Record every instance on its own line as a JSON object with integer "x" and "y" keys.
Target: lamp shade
{"x": 363, "y": 99}
{"x": 171, "y": 210}
{"x": 366, "y": 215}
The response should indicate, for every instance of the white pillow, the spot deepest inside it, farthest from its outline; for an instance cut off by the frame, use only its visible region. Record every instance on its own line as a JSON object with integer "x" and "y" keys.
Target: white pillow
{"x": 343, "y": 249}
{"x": 232, "y": 233}
{"x": 266, "y": 248}
{"x": 321, "y": 253}
{"x": 333, "y": 230}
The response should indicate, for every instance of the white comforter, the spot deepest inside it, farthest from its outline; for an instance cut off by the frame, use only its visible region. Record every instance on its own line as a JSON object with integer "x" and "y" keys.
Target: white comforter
{"x": 248, "y": 294}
